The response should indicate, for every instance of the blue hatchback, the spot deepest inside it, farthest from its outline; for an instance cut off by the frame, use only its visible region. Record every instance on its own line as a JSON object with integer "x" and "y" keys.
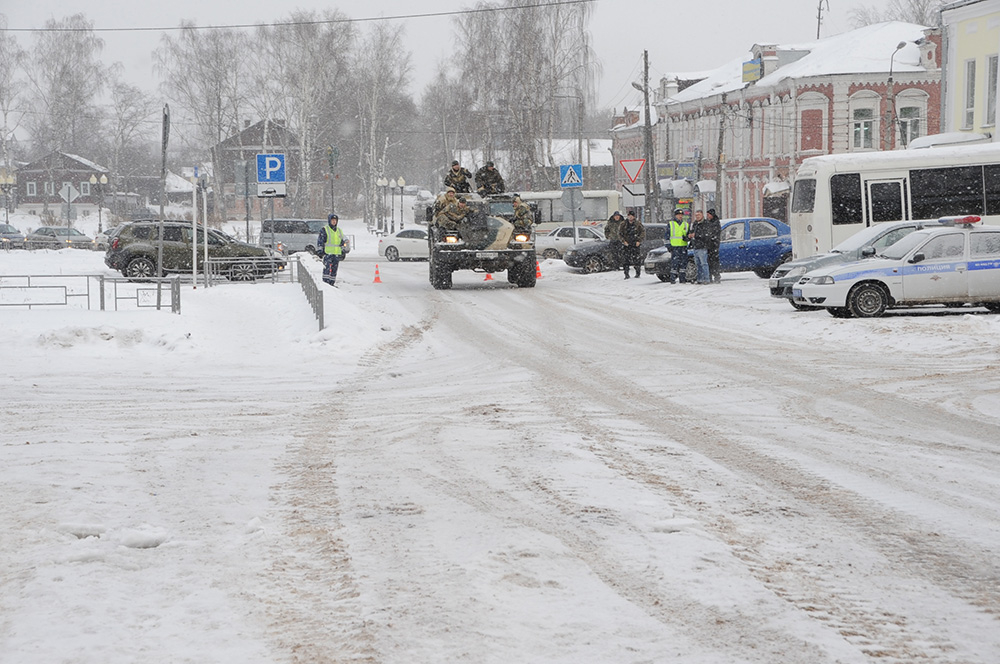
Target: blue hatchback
{"x": 757, "y": 244}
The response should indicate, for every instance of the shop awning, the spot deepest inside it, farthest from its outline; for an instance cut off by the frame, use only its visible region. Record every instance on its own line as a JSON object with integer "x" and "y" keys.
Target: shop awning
{"x": 705, "y": 186}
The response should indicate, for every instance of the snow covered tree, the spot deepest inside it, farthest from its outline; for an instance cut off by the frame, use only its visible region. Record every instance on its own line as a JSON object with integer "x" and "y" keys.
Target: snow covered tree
{"x": 921, "y": 12}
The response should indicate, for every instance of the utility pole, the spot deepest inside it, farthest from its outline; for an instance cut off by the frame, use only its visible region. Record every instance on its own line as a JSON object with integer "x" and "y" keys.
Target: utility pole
{"x": 819, "y": 14}
{"x": 652, "y": 204}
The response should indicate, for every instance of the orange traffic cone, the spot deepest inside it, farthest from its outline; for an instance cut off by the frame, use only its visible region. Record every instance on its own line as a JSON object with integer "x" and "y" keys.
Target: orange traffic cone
{"x": 538, "y": 270}
{"x": 489, "y": 276}
{"x": 378, "y": 280}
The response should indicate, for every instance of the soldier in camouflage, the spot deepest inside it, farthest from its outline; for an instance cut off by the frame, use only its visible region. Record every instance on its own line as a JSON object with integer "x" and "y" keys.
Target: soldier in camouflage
{"x": 458, "y": 178}
{"x": 489, "y": 181}
{"x": 523, "y": 218}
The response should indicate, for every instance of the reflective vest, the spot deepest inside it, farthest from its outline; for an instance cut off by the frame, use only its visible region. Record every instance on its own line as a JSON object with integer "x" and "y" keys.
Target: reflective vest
{"x": 334, "y": 241}
{"x": 678, "y": 233}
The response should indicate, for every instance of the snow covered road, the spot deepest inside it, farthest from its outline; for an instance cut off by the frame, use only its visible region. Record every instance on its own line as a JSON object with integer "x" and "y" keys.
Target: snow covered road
{"x": 594, "y": 470}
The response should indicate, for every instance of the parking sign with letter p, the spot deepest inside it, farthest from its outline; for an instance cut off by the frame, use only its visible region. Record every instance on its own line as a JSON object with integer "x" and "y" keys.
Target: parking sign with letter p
{"x": 270, "y": 168}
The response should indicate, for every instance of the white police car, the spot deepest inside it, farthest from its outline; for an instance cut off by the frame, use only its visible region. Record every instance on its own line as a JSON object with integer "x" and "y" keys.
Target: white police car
{"x": 955, "y": 263}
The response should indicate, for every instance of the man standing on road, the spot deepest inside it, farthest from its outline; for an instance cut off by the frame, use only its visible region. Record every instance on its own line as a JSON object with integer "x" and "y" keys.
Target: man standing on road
{"x": 699, "y": 247}
{"x": 632, "y": 233}
{"x": 713, "y": 228}
{"x": 611, "y": 232}
{"x": 678, "y": 247}
{"x": 332, "y": 239}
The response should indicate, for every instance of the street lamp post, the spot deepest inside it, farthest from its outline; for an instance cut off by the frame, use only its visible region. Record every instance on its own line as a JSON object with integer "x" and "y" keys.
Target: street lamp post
{"x": 7, "y": 183}
{"x": 890, "y": 103}
{"x": 652, "y": 191}
{"x": 99, "y": 185}
{"x": 402, "y": 183}
{"x": 392, "y": 205}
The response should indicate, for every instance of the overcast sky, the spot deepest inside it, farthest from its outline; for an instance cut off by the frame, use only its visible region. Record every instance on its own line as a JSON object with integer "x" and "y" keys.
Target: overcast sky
{"x": 680, "y": 36}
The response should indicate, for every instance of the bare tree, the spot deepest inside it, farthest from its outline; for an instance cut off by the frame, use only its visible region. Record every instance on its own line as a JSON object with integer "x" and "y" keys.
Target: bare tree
{"x": 11, "y": 111}
{"x": 381, "y": 73}
{"x": 132, "y": 128}
{"x": 921, "y": 12}
{"x": 65, "y": 79}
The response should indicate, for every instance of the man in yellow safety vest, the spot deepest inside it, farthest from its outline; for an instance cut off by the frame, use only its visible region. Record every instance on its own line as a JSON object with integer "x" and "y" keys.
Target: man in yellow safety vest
{"x": 333, "y": 241}
{"x": 678, "y": 247}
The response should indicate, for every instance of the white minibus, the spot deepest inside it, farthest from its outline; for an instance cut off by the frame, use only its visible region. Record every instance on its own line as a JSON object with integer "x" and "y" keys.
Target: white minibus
{"x": 835, "y": 196}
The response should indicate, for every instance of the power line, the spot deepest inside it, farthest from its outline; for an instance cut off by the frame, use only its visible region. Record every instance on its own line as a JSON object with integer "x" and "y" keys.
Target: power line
{"x": 397, "y": 17}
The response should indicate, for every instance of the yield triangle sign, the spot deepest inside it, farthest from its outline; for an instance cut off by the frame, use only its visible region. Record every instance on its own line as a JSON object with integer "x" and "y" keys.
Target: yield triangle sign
{"x": 632, "y": 167}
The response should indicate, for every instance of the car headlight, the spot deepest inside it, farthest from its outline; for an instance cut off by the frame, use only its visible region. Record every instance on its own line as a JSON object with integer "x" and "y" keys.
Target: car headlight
{"x": 796, "y": 271}
{"x": 823, "y": 280}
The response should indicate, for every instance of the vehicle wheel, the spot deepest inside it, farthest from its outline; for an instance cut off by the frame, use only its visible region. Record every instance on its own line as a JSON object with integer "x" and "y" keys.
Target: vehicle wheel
{"x": 242, "y": 272}
{"x": 593, "y": 264}
{"x": 764, "y": 273}
{"x": 140, "y": 268}
{"x": 691, "y": 271}
{"x": 440, "y": 278}
{"x": 391, "y": 254}
{"x": 550, "y": 253}
{"x": 802, "y": 307}
{"x": 839, "y": 312}
{"x": 662, "y": 277}
{"x": 868, "y": 300}
{"x": 523, "y": 275}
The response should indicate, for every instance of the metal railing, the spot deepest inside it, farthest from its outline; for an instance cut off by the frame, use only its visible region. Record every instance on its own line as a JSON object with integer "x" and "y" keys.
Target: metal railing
{"x": 314, "y": 295}
{"x": 89, "y": 291}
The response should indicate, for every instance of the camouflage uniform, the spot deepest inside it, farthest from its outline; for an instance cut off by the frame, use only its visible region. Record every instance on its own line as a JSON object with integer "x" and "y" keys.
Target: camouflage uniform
{"x": 458, "y": 178}
{"x": 523, "y": 217}
{"x": 452, "y": 212}
{"x": 489, "y": 180}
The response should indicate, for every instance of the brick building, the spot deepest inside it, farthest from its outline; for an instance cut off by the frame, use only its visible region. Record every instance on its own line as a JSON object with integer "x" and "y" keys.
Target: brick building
{"x": 743, "y": 129}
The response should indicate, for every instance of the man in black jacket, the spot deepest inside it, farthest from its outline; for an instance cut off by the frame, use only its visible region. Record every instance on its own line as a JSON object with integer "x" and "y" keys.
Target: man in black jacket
{"x": 632, "y": 233}
{"x": 713, "y": 229}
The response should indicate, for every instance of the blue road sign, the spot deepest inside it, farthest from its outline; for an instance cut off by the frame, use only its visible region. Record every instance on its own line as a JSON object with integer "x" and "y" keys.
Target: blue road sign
{"x": 270, "y": 168}
{"x": 571, "y": 176}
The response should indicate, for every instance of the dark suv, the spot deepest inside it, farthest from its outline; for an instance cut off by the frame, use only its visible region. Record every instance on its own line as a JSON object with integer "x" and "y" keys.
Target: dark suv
{"x": 133, "y": 248}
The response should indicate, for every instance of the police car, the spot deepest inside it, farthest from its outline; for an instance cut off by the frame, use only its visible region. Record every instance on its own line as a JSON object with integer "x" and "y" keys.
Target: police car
{"x": 954, "y": 263}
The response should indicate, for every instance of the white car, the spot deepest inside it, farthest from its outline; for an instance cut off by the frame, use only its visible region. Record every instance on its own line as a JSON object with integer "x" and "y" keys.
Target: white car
{"x": 954, "y": 264}
{"x": 409, "y": 243}
{"x": 555, "y": 243}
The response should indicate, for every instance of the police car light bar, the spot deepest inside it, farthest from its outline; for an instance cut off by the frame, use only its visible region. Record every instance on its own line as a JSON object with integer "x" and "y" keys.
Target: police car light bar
{"x": 960, "y": 219}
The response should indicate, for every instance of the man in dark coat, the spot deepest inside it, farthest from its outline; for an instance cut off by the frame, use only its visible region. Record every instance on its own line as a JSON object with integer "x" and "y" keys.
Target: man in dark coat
{"x": 611, "y": 232}
{"x": 489, "y": 181}
{"x": 713, "y": 231}
{"x": 632, "y": 233}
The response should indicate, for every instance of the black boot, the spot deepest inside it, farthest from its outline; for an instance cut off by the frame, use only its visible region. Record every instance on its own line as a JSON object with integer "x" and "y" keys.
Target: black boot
{"x": 637, "y": 272}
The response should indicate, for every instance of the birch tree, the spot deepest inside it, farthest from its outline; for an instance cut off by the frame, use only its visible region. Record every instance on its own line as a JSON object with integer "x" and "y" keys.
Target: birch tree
{"x": 12, "y": 58}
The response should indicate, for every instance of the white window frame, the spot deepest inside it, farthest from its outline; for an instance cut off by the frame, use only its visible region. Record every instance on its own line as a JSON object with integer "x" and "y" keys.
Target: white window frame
{"x": 904, "y": 130}
{"x": 50, "y": 188}
{"x": 31, "y": 189}
{"x": 864, "y": 101}
{"x": 85, "y": 188}
{"x": 990, "y": 107}
{"x": 811, "y": 101}
{"x": 969, "y": 105}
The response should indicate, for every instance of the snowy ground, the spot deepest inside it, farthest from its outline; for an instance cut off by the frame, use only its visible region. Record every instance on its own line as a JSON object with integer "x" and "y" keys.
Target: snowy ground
{"x": 593, "y": 470}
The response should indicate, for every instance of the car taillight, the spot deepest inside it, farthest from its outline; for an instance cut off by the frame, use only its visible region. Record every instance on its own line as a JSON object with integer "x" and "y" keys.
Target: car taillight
{"x": 114, "y": 243}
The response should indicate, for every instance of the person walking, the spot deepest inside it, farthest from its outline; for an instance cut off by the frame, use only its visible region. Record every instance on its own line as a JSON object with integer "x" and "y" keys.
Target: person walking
{"x": 698, "y": 246}
{"x": 611, "y": 233}
{"x": 631, "y": 233}
{"x": 714, "y": 230}
{"x": 678, "y": 237}
{"x": 333, "y": 241}
{"x": 458, "y": 178}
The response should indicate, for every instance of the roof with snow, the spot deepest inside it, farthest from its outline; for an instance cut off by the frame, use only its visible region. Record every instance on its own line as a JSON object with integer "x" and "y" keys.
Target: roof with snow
{"x": 867, "y": 50}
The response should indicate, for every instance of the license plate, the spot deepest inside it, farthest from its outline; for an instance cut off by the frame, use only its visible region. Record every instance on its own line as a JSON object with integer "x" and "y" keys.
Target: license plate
{"x": 486, "y": 254}
{"x": 797, "y": 292}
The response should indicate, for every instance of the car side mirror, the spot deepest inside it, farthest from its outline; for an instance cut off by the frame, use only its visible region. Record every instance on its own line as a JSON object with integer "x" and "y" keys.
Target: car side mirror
{"x": 917, "y": 257}
{"x": 867, "y": 251}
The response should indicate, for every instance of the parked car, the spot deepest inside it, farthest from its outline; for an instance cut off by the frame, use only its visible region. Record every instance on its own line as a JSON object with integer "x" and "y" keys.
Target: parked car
{"x": 135, "y": 245}
{"x": 57, "y": 237}
{"x": 409, "y": 243}
{"x": 877, "y": 237}
{"x": 757, "y": 244}
{"x": 598, "y": 255}
{"x": 10, "y": 237}
{"x": 954, "y": 264}
{"x": 103, "y": 239}
{"x": 555, "y": 243}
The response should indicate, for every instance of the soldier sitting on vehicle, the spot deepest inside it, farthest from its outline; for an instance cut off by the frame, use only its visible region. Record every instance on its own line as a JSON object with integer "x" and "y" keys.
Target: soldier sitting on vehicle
{"x": 452, "y": 212}
{"x": 458, "y": 178}
{"x": 523, "y": 217}
{"x": 489, "y": 181}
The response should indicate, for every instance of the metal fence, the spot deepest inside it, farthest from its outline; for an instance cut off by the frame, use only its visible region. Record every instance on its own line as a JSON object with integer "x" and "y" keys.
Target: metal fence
{"x": 314, "y": 295}
{"x": 89, "y": 291}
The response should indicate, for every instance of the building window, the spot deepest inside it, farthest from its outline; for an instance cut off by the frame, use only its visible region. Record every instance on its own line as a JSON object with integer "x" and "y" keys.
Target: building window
{"x": 991, "y": 91}
{"x": 909, "y": 124}
{"x": 864, "y": 128}
{"x": 812, "y": 129}
{"x": 32, "y": 189}
{"x": 970, "y": 94}
{"x": 50, "y": 188}
{"x": 85, "y": 189}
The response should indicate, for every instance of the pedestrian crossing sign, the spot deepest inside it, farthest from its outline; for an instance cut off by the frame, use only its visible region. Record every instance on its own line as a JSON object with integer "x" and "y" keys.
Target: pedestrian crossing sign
{"x": 571, "y": 176}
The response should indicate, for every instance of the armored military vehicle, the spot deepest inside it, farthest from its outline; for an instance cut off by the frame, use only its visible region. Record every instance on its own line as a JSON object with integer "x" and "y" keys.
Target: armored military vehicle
{"x": 482, "y": 242}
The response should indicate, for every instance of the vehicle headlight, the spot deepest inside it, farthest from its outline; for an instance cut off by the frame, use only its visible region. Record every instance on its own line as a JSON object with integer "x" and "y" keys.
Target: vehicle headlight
{"x": 823, "y": 280}
{"x": 796, "y": 271}
{"x": 522, "y": 237}
{"x": 451, "y": 239}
